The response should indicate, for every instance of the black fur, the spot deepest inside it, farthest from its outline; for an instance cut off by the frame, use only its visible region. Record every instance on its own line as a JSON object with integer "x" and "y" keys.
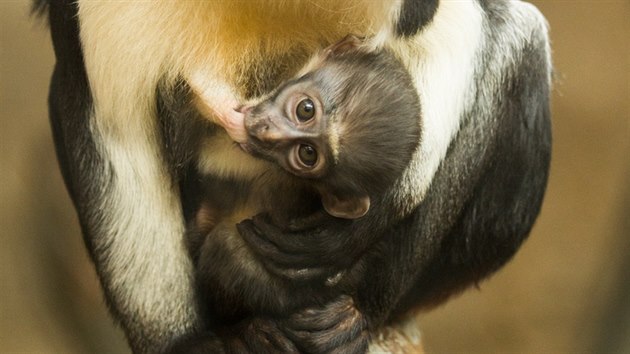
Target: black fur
{"x": 69, "y": 106}
{"x": 182, "y": 133}
{"x": 374, "y": 101}
{"x": 380, "y": 108}
{"x": 376, "y": 106}
{"x": 415, "y": 15}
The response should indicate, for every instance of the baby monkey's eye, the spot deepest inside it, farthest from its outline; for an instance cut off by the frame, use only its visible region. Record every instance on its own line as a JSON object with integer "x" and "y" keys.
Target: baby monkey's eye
{"x": 307, "y": 155}
{"x": 305, "y": 110}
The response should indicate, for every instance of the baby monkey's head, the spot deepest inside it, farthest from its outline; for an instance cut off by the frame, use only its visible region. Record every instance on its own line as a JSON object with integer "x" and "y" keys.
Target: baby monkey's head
{"x": 350, "y": 122}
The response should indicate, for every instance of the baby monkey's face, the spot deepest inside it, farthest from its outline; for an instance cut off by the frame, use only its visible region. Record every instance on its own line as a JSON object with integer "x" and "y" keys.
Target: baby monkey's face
{"x": 294, "y": 130}
{"x": 290, "y": 128}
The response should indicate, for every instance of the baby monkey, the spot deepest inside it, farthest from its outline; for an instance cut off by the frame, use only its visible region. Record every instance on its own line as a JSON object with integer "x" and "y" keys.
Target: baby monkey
{"x": 334, "y": 138}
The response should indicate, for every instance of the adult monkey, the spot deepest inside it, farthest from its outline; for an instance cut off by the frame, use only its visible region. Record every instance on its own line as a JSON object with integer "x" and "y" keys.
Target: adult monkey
{"x": 130, "y": 150}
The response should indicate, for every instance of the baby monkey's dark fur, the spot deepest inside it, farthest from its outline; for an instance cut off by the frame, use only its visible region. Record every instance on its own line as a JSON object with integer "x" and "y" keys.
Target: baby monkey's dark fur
{"x": 363, "y": 127}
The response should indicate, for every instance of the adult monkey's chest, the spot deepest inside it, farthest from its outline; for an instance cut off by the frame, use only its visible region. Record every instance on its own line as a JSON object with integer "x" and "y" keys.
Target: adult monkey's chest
{"x": 261, "y": 43}
{"x": 250, "y": 45}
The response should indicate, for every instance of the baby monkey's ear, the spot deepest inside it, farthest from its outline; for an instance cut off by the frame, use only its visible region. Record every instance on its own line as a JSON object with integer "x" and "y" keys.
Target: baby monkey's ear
{"x": 346, "y": 207}
{"x": 347, "y": 44}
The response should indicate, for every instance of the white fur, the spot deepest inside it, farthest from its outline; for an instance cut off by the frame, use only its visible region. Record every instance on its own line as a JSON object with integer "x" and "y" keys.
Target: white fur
{"x": 144, "y": 243}
{"x": 387, "y": 32}
{"x": 142, "y": 254}
{"x": 401, "y": 337}
{"x": 442, "y": 59}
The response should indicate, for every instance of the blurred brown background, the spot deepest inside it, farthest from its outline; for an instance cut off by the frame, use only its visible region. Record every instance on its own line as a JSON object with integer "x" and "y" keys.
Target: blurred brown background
{"x": 566, "y": 291}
